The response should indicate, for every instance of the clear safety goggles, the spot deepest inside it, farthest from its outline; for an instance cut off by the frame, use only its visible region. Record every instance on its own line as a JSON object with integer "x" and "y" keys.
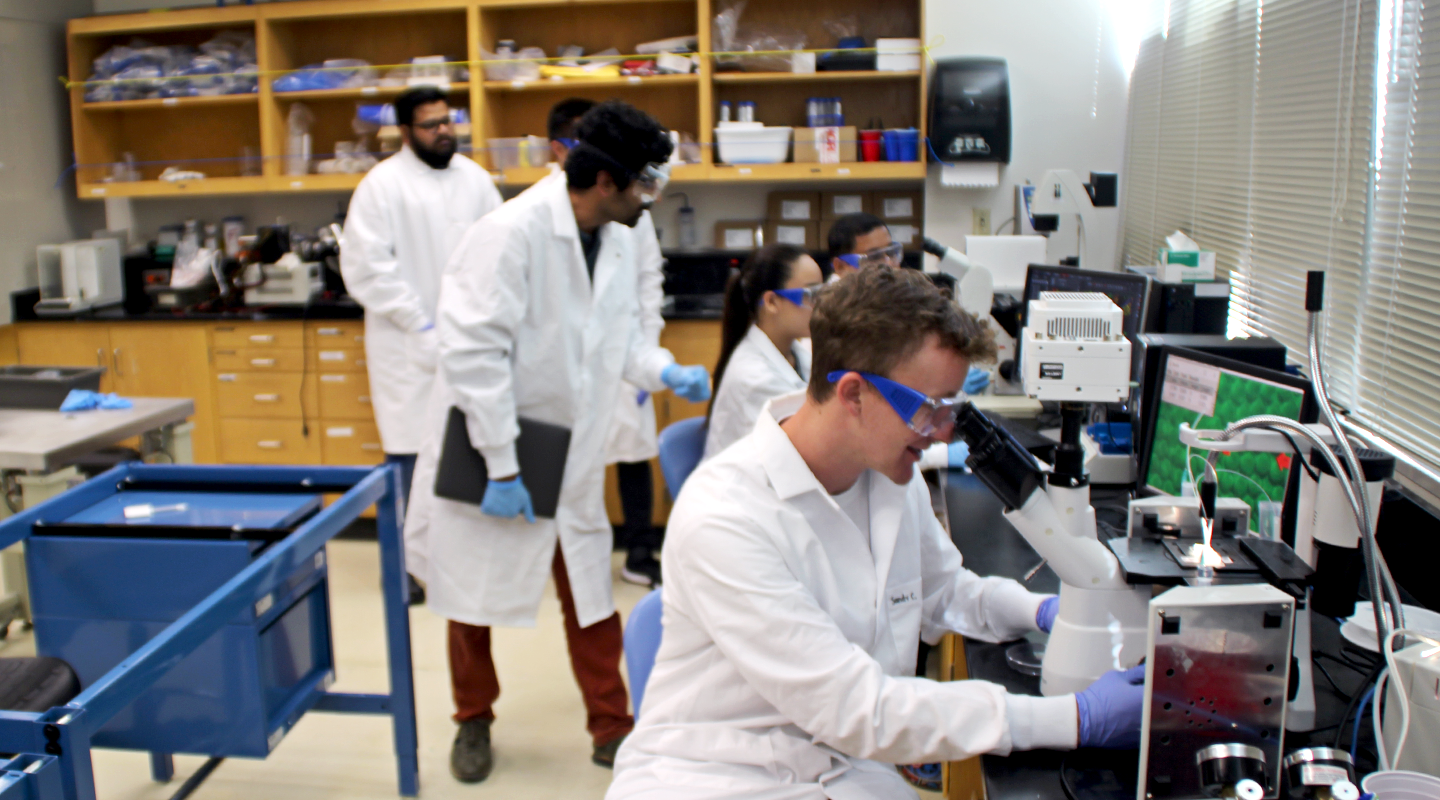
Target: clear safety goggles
{"x": 920, "y": 412}
{"x": 888, "y": 256}
{"x": 804, "y": 296}
{"x": 651, "y": 181}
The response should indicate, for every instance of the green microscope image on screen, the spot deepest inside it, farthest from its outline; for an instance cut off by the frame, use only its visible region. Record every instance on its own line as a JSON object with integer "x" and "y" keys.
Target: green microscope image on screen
{"x": 1210, "y": 397}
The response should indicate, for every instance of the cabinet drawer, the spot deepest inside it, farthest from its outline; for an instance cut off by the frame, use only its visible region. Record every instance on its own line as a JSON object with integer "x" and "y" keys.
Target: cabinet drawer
{"x": 254, "y": 359}
{"x": 350, "y": 443}
{"x": 258, "y": 335}
{"x": 259, "y": 394}
{"x": 335, "y": 335}
{"x": 345, "y": 396}
{"x": 267, "y": 441}
{"x": 338, "y": 359}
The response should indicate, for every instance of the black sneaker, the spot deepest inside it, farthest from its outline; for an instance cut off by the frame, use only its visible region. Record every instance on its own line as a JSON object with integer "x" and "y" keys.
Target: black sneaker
{"x": 470, "y": 757}
{"x": 604, "y": 754}
{"x": 416, "y": 591}
{"x": 641, "y": 569}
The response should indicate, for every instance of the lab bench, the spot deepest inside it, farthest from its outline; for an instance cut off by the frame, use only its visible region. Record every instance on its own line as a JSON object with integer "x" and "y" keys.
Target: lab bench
{"x": 991, "y": 546}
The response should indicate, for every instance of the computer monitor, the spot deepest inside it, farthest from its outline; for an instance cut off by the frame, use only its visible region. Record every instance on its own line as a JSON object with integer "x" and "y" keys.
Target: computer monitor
{"x": 1209, "y": 391}
{"x": 1127, "y": 290}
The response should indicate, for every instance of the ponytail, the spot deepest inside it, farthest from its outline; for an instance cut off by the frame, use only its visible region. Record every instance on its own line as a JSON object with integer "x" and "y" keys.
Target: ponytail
{"x": 766, "y": 270}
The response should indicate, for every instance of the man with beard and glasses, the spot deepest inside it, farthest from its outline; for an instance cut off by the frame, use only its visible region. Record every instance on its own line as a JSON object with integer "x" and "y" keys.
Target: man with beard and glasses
{"x": 539, "y": 317}
{"x": 405, "y": 219}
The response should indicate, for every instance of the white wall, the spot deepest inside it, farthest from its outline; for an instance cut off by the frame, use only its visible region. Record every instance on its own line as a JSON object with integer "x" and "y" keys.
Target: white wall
{"x": 35, "y": 140}
{"x": 1068, "y": 92}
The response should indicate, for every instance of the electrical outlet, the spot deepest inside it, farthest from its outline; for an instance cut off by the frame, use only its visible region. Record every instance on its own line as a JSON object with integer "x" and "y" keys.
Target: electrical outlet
{"x": 980, "y": 221}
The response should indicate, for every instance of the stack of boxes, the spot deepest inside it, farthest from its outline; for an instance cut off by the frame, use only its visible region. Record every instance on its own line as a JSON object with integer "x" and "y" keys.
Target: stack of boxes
{"x": 804, "y": 219}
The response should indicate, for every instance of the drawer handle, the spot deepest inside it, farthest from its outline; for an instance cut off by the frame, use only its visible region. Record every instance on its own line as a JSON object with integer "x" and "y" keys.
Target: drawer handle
{"x": 364, "y": 398}
{"x": 332, "y": 378}
{"x": 267, "y": 398}
{"x": 262, "y": 338}
{"x": 269, "y": 444}
{"x": 227, "y": 377}
{"x": 372, "y": 446}
{"x": 262, "y": 362}
{"x": 328, "y": 332}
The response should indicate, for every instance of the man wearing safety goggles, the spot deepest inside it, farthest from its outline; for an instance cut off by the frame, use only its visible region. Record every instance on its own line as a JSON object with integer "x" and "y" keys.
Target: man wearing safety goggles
{"x": 859, "y": 241}
{"x": 803, "y": 567}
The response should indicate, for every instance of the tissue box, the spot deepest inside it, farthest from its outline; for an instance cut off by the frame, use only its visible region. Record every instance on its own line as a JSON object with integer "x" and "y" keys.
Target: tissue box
{"x": 1181, "y": 266}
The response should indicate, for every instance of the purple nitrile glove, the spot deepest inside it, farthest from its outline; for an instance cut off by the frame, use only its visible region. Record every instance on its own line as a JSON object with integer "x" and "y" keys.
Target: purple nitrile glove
{"x": 1045, "y": 614}
{"x": 1110, "y": 709}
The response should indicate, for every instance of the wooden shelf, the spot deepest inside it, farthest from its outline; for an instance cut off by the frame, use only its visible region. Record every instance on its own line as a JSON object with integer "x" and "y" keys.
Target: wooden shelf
{"x": 208, "y": 186}
{"x": 814, "y": 77}
{"x": 173, "y": 102}
{"x": 850, "y": 171}
{"x": 552, "y": 85}
{"x": 360, "y": 92}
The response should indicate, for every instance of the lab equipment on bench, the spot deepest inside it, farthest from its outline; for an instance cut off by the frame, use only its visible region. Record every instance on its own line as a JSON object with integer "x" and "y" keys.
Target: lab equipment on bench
{"x": 1312, "y": 772}
{"x": 1075, "y": 349}
{"x": 1060, "y": 194}
{"x": 975, "y": 289}
{"x": 204, "y": 630}
{"x": 287, "y": 282}
{"x": 78, "y": 276}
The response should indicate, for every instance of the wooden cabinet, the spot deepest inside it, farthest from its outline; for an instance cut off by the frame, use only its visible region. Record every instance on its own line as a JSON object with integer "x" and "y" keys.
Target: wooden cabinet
{"x": 161, "y": 359}
{"x": 238, "y": 141}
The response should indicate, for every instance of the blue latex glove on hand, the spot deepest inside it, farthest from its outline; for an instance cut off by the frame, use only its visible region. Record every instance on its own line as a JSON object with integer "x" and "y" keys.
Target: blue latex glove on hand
{"x": 959, "y": 451}
{"x": 1110, "y": 709}
{"x": 508, "y": 499}
{"x": 85, "y": 400}
{"x": 1045, "y": 614}
{"x": 976, "y": 380}
{"x": 691, "y": 383}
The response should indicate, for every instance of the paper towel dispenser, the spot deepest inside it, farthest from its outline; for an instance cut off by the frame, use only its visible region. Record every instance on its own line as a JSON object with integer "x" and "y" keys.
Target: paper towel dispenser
{"x": 970, "y": 110}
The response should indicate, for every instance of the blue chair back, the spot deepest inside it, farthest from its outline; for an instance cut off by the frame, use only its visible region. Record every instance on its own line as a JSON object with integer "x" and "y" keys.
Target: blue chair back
{"x": 682, "y": 445}
{"x": 642, "y": 642}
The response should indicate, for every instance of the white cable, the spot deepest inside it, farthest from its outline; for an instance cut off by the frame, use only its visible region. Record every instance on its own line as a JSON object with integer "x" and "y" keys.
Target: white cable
{"x": 1375, "y": 702}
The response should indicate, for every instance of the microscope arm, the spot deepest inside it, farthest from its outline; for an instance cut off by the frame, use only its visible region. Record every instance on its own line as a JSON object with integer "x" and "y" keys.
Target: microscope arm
{"x": 1253, "y": 440}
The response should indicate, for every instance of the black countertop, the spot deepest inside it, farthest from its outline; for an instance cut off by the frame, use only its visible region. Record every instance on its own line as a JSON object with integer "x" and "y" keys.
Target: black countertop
{"x": 992, "y": 546}
{"x": 344, "y": 308}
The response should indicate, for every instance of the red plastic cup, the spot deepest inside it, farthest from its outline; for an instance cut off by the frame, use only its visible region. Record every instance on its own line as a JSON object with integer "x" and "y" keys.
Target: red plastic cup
{"x": 870, "y": 145}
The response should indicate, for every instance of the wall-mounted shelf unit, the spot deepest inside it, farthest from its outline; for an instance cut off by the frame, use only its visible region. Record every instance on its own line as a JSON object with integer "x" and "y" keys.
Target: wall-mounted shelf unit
{"x": 223, "y": 136}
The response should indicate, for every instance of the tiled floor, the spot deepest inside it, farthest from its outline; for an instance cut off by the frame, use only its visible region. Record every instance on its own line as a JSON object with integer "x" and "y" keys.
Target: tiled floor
{"x": 541, "y": 747}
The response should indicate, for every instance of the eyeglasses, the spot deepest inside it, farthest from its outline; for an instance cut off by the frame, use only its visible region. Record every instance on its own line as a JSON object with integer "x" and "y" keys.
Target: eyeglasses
{"x": 804, "y": 296}
{"x": 921, "y": 413}
{"x": 889, "y": 256}
{"x": 651, "y": 181}
{"x": 433, "y": 124}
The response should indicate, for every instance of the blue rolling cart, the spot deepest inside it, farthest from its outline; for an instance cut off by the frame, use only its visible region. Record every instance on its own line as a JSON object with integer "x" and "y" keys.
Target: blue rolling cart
{"x": 202, "y": 627}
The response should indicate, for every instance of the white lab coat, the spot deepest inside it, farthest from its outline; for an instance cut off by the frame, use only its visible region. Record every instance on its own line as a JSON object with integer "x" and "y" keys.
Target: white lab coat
{"x": 522, "y": 332}
{"x": 786, "y": 668}
{"x": 405, "y": 220}
{"x": 757, "y": 373}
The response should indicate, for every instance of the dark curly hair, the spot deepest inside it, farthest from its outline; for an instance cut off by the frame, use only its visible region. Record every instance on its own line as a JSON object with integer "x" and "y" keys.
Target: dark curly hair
{"x": 617, "y": 138}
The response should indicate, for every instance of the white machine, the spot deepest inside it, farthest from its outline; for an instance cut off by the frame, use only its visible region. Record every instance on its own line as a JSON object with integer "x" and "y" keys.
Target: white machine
{"x": 974, "y": 286}
{"x": 1416, "y": 670}
{"x": 288, "y": 282}
{"x": 78, "y": 276}
{"x": 1060, "y": 194}
{"x": 1075, "y": 350}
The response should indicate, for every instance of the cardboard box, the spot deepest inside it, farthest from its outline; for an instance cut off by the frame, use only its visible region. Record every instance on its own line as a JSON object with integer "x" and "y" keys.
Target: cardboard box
{"x": 834, "y": 205}
{"x": 810, "y": 144}
{"x": 899, "y": 205}
{"x": 907, "y": 232}
{"x": 1186, "y": 266}
{"x": 737, "y": 234}
{"x": 800, "y": 234}
{"x": 794, "y": 206}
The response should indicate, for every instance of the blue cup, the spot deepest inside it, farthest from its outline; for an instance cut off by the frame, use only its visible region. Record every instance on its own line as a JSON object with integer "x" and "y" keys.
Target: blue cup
{"x": 902, "y": 144}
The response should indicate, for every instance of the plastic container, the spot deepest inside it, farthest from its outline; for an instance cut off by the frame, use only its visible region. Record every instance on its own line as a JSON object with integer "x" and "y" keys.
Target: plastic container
{"x": 902, "y": 144}
{"x": 870, "y": 145}
{"x": 44, "y": 387}
{"x": 747, "y": 111}
{"x": 725, "y": 111}
{"x": 505, "y": 153}
{"x": 1401, "y": 785}
{"x": 757, "y": 145}
{"x": 536, "y": 152}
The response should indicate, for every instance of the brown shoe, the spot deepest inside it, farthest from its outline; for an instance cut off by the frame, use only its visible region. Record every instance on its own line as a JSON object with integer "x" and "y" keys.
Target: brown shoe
{"x": 604, "y": 754}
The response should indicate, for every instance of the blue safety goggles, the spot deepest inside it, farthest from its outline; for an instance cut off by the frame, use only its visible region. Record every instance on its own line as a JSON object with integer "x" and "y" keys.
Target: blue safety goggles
{"x": 920, "y": 412}
{"x": 804, "y": 296}
{"x": 568, "y": 142}
{"x": 890, "y": 255}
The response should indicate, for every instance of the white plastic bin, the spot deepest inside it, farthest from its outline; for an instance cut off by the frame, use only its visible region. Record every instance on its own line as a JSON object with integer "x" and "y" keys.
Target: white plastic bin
{"x": 746, "y": 145}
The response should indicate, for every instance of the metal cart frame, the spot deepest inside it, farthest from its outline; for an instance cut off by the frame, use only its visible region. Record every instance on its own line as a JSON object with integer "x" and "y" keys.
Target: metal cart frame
{"x": 58, "y": 741}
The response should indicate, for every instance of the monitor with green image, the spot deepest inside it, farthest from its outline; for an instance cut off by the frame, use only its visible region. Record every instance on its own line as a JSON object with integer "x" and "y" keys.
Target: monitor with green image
{"x": 1211, "y": 392}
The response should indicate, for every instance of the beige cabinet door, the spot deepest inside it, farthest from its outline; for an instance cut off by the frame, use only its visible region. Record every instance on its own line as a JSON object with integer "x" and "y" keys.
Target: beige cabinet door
{"x": 167, "y": 359}
{"x": 66, "y": 344}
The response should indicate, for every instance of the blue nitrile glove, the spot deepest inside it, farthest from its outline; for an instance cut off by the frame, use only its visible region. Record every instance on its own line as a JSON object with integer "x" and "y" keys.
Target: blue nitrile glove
{"x": 691, "y": 383}
{"x": 959, "y": 451}
{"x": 1045, "y": 615}
{"x": 976, "y": 380}
{"x": 85, "y": 400}
{"x": 1110, "y": 709}
{"x": 508, "y": 499}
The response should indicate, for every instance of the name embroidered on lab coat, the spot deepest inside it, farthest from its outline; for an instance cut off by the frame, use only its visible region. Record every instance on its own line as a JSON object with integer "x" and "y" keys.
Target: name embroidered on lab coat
{"x": 908, "y": 597}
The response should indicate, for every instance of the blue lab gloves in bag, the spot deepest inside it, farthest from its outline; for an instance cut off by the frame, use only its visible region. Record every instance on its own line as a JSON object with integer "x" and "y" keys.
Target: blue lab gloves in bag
{"x": 959, "y": 451}
{"x": 691, "y": 383}
{"x": 1045, "y": 615}
{"x": 1110, "y": 709}
{"x": 85, "y": 400}
{"x": 976, "y": 380}
{"x": 508, "y": 499}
